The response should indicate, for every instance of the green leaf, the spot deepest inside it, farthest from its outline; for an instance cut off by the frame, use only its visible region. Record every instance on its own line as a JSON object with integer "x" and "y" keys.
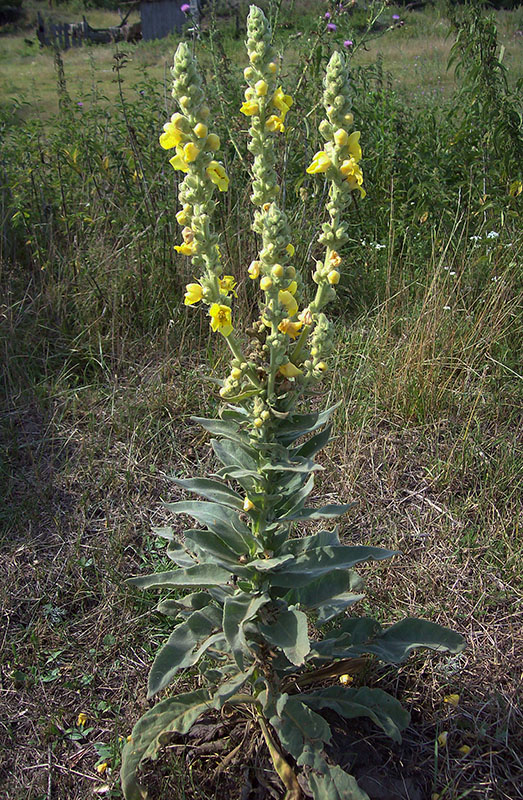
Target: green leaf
{"x": 234, "y": 455}
{"x": 379, "y": 706}
{"x": 230, "y": 687}
{"x": 396, "y": 642}
{"x": 220, "y": 519}
{"x": 298, "y": 727}
{"x": 177, "y": 553}
{"x": 212, "y": 546}
{"x": 295, "y": 465}
{"x": 335, "y": 784}
{"x": 325, "y": 512}
{"x": 194, "y": 602}
{"x": 237, "y": 610}
{"x": 212, "y": 490}
{"x": 320, "y": 590}
{"x": 314, "y": 444}
{"x": 226, "y": 429}
{"x": 325, "y": 560}
{"x": 352, "y": 631}
{"x": 148, "y": 736}
{"x": 183, "y": 648}
{"x": 291, "y": 505}
{"x": 289, "y": 632}
{"x": 269, "y": 564}
{"x": 303, "y": 543}
{"x": 336, "y": 605}
{"x": 199, "y": 575}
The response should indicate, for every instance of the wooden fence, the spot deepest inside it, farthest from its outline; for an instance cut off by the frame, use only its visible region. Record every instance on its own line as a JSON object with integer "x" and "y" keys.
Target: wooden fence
{"x": 74, "y": 34}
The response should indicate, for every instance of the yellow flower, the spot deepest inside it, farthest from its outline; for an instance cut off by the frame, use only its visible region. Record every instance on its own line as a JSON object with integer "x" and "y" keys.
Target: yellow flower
{"x": 193, "y": 294}
{"x": 178, "y": 162}
{"x": 218, "y": 176}
{"x": 290, "y": 249}
{"x": 288, "y": 301}
{"x": 333, "y": 277}
{"x": 275, "y": 124}
{"x": 201, "y": 130}
{"x": 334, "y": 259}
{"x": 322, "y": 366}
{"x": 277, "y": 271}
{"x": 227, "y": 284}
{"x": 320, "y": 163}
{"x": 265, "y": 283}
{"x": 442, "y": 738}
{"x": 354, "y": 145}
{"x": 341, "y": 137}
{"x": 190, "y": 152}
{"x": 248, "y": 504}
{"x": 261, "y": 88}
{"x": 289, "y": 370}
{"x": 452, "y": 700}
{"x": 254, "y": 270}
{"x": 289, "y": 327}
{"x": 292, "y": 287}
{"x": 101, "y": 768}
{"x": 221, "y": 318}
{"x": 186, "y": 249}
{"x": 250, "y": 108}
{"x": 82, "y": 719}
{"x": 172, "y": 135}
{"x": 353, "y": 174}
{"x": 213, "y": 141}
{"x": 182, "y": 216}
{"x": 464, "y": 749}
{"x": 282, "y": 101}
{"x": 346, "y": 679}
{"x": 273, "y": 68}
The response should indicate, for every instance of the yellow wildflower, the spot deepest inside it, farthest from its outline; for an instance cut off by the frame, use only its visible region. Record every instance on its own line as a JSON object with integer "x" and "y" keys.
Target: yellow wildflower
{"x": 282, "y": 101}
{"x": 275, "y": 124}
{"x": 346, "y": 679}
{"x": 261, "y": 88}
{"x": 101, "y": 768}
{"x": 320, "y": 163}
{"x": 265, "y": 283}
{"x": 248, "y": 504}
{"x": 190, "y": 152}
{"x": 213, "y": 141}
{"x": 452, "y": 700}
{"x": 249, "y": 108}
{"x": 333, "y": 277}
{"x": 182, "y": 216}
{"x": 254, "y": 270}
{"x": 292, "y": 287}
{"x": 178, "y": 162}
{"x": 354, "y": 145}
{"x": 82, "y": 719}
{"x": 442, "y": 738}
{"x": 172, "y": 135}
{"x": 322, "y": 366}
{"x": 221, "y": 318}
{"x": 218, "y": 176}
{"x": 186, "y": 249}
{"x": 341, "y": 137}
{"x": 464, "y": 749}
{"x": 273, "y": 68}
{"x": 290, "y": 249}
{"x": 277, "y": 271}
{"x": 334, "y": 259}
{"x": 227, "y": 284}
{"x": 201, "y": 130}
{"x": 289, "y": 327}
{"x": 193, "y": 294}
{"x": 288, "y": 301}
{"x": 353, "y": 175}
{"x": 289, "y": 370}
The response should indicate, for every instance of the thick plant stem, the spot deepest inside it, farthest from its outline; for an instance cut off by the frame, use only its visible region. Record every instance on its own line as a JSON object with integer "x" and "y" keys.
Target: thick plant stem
{"x": 281, "y": 766}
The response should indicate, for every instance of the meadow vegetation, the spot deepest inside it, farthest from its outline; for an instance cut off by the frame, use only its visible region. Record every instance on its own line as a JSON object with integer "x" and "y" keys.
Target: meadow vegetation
{"x": 102, "y": 367}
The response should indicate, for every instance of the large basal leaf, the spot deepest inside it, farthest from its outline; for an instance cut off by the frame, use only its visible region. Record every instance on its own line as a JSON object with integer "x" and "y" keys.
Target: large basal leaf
{"x": 351, "y": 631}
{"x": 232, "y": 686}
{"x": 201, "y": 575}
{"x": 325, "y": 512}
{"x": 298, "y": 727}
{"x": 322, "y": 561}
{"x": 177, "y": 553}
{"x": 237, "y": 610}
{"x": 185, "y": 645}
{"x": 148, "y": 736}
{"x": 231, "y": 454}
{"x": 336, "y": 605}
{"x": 212, "y": 490}
{"x": 383, "y": 709}
{"x": 289, "y": 632}
{"x": 335, "y": 784}
{"x": 213, "y": 547}
{"x": 320, "y": 590}
{"x": 192, "y": 602}
{"x": 394, "y": 644}
{"x": 269, "y": 564}
{"x": 303, "y": 543}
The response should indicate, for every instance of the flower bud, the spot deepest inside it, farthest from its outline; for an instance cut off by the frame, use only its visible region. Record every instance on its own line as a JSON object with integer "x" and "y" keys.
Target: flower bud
{"x": 341, "y": 137}
{"x": 254, "y": 269}
{"x": 333, "y": 277}
{"x": 272, "y": 67}
{"x": 213, "y": 142}
{"x": 200, "y": 130}
{"x": 261, "y": 88}
{"x": 248, "y": 504}
{"x": 265, "y": 283}
{"x": 277, "y": 271}
{"x": 258, "y": 422}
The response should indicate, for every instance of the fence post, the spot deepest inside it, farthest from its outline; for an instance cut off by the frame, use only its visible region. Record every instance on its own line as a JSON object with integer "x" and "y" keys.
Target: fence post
{"x": 65, "y": 29}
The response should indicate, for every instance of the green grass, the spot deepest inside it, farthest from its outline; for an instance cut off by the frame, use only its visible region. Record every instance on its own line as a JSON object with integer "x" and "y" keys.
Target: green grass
{"x": 102, "y": 367}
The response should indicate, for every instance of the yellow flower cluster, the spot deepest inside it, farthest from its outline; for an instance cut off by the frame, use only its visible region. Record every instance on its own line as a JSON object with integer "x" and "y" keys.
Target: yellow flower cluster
{"x": 348, "y": 165}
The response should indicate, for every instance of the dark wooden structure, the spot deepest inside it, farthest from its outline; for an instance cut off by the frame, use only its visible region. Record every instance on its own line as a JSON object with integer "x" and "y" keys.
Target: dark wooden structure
{"x": 162, "y": 17}
{"x": 74, "y": 34}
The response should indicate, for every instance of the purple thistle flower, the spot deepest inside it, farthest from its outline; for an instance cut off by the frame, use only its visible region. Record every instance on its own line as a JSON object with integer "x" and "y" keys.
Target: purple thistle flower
{"x": 327, "y": 15}
{"x": 348, "y": 43}
{"x": 395, "y": 17}
{"x": 79, "y": 103}
{"x": 185, "y": 8}
{"x": 331, "y": 26}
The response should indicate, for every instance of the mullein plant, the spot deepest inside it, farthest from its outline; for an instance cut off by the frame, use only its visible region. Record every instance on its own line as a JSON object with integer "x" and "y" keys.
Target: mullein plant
{"x": 254, "y": 586}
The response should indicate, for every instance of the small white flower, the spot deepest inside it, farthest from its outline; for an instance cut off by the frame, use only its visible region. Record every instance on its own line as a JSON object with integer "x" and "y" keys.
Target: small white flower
{"x": 446, "y": 308}
{"x": 452, "y": 273}
{"x": 492, "y": 235}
